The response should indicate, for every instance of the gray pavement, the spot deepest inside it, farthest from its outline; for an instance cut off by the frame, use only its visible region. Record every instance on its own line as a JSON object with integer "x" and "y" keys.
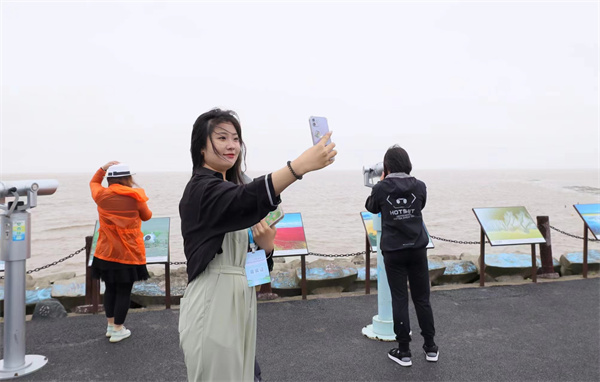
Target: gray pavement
{"x": 531, "y": 332}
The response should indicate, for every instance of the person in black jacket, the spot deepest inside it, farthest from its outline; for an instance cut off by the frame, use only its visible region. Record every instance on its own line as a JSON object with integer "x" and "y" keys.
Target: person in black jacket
{"x": 400, "y": 198}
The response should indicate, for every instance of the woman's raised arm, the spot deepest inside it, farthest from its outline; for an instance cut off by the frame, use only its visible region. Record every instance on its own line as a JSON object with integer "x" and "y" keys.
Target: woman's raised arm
{"x": 315, "y": 158}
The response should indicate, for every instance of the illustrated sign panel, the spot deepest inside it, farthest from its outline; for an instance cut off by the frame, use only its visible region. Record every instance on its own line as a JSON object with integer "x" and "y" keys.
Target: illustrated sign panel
{"x": 290, "y": 238}
{"x": 508, "y": 225}
{"x": 156, "y": 239}
{"x": 367, "y": 219}
{"x": 590, "y": 213}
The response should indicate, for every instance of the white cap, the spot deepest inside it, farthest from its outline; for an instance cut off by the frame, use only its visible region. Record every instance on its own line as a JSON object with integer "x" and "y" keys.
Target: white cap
{"x": 118, "y": 170}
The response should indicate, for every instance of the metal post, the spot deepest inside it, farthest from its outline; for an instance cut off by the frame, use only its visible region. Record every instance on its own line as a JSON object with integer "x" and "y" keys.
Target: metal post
{"x": 14, "y": 317}
{"x": 382, "y": 328}
{"x": 15, "y": 248}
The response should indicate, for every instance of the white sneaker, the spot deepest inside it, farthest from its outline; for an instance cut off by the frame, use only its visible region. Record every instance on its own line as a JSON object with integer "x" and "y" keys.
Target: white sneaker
{"x": 109, "y": 330}
{"x": 401, "y": 358}
{"x": 431, "y": 353}
{"x": 119, "y": 335}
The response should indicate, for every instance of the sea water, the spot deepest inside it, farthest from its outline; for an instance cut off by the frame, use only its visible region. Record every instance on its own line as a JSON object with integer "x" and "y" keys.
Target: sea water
{"x": 330, "y": 203}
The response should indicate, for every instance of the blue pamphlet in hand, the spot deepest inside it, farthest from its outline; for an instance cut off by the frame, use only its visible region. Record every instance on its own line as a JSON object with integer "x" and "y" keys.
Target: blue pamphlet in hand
{"x": 274, "y": 217}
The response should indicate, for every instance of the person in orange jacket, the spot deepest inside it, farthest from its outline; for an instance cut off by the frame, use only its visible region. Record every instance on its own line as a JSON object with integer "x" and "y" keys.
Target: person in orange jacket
{"x": 120, "y": 256}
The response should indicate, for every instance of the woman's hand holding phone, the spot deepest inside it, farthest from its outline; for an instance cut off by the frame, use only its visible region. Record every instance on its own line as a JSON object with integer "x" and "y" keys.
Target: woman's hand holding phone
{"x": 318, "y": 128}
{"x": 264, "y": 236}
{"x": 316, "y": 157}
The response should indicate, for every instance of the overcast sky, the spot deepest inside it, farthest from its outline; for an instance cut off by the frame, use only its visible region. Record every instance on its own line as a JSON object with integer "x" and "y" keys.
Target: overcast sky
{"x": 458, "y": 84}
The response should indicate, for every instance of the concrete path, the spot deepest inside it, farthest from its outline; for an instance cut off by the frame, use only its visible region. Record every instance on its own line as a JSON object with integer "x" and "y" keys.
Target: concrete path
{"x": 532, "y": 332}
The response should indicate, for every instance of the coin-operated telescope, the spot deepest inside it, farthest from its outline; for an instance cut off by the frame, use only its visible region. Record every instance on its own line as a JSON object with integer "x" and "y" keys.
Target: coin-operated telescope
{"x": 29, "y": 188}
{"x": 15, "y": 248}
{"x": 372, "y": 174}
{"x": 382, "y": 327}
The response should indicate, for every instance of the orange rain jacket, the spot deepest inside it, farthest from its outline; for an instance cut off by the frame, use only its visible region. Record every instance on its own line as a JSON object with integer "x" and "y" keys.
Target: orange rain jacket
{"x": 121, "y": 210}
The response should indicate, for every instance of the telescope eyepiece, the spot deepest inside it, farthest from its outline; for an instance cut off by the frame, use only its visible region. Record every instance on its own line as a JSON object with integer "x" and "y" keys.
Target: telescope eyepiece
{"x": 372, "y": 174}
{"x": 21, "y": 187}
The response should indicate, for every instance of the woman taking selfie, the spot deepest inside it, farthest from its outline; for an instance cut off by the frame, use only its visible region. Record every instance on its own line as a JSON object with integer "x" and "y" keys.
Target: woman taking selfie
{"x": 217, "y": 324}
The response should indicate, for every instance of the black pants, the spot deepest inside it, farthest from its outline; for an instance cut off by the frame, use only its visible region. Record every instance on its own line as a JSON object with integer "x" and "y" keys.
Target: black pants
{"x": 117, "y": 298}
{"x": 409, "y": 264}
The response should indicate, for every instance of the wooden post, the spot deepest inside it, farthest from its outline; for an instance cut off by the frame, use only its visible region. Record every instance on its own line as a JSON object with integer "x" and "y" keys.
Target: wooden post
{"x": 533, "y": 264}
{"x": 543, "y": 223}
{"x": 368, "y": 267}
{"x": 94, "y": 292}
{"x": 482, "y": 259}
{"x": 303, "y": 282}
{"x": 168, "y": 285}
{"x": 92, "y": 286}
{"x": 88, "y": 270}
{"x": 585, "y": 250}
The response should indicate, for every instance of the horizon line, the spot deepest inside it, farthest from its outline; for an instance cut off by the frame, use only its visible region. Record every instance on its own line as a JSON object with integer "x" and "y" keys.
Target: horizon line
{"x": 2, "y": 173}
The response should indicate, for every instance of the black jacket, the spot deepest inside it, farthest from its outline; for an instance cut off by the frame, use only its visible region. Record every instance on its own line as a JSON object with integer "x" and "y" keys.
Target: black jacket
{"x": 210, "y": 207}
{"x": 400, "y": 199}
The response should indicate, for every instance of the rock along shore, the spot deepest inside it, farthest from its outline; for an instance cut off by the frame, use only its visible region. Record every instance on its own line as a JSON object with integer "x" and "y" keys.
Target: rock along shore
{"x": 341, "y": 275}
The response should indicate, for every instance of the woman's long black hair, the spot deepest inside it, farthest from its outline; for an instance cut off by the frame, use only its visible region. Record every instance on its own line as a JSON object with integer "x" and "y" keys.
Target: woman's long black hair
{"x": 203, "y": 129}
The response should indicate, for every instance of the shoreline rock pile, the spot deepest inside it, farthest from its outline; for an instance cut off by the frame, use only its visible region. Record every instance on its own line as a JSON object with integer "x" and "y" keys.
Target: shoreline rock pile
{"x": 322, "y": 276}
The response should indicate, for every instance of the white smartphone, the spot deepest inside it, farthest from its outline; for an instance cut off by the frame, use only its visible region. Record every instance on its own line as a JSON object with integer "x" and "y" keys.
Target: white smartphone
{"x": 274, "y": 217}
{"x": 318, "y": 128}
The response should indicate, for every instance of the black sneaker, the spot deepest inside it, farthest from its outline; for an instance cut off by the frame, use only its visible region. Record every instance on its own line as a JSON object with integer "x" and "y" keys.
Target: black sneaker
{"x": 400, "y": 357}
{"x": 431, "y": 353}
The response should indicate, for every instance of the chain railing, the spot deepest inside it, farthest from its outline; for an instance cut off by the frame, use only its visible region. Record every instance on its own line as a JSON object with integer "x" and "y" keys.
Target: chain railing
{"x": 52, "y": 263}
{"x": 432, "y": 236}
{"x": 336, "y": 254}
{"x": 456, "y": 241}
{"x": 311, "y": 253}
{"x": 571, "y": 235}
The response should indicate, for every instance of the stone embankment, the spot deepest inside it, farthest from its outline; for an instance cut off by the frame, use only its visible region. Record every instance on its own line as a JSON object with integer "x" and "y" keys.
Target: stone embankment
{"x": 323, "y": 276}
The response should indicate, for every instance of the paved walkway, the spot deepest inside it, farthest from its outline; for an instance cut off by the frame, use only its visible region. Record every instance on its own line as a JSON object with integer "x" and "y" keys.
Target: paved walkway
{"x": 544, "y": 332}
